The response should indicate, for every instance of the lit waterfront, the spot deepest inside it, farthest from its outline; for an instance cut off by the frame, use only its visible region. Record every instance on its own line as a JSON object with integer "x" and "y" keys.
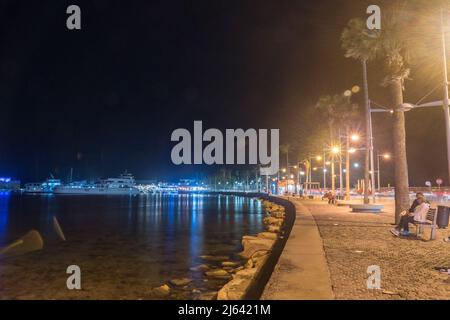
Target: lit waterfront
{"x": 124, "y": 246}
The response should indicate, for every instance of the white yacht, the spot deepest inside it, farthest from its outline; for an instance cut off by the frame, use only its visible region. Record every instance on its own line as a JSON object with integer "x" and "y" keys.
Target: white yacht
{"x": 48, "y": 186}
{"x": 124, "y": 185}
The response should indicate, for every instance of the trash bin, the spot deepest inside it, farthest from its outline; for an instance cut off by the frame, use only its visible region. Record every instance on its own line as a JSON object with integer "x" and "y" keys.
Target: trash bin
{"x": 443, "y": 214}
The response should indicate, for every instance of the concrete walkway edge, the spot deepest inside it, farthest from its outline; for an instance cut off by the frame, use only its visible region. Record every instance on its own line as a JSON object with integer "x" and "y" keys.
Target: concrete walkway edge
{"x": 302, "y": 270}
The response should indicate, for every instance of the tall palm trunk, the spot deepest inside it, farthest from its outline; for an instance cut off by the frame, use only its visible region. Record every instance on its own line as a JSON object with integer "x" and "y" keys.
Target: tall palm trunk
{"x": 399, "y": 144}
{"x": 368, "y": 137}
{"x": 347, "y": 164}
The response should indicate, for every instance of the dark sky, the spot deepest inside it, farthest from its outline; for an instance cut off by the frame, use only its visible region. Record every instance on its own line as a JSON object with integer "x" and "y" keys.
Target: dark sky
{"x": 106, "y": 98}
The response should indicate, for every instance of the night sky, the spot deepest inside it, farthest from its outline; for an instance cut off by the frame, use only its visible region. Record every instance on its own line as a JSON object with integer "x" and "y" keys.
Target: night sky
{"x": 107, "y": 98}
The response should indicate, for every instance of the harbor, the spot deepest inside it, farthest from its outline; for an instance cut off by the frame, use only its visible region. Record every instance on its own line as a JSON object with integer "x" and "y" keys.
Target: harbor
{"x": 125, "y": 246}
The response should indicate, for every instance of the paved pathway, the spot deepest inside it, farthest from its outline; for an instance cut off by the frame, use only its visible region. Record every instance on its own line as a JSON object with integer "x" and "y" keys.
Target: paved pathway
{"x": 302, "y": 271}
{"x": 355, "y": 241}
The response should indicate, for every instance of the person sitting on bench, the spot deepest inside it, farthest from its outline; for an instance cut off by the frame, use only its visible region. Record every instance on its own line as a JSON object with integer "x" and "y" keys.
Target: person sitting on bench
{"x": 416, "y": 203}
{"x": 419, "y": 215}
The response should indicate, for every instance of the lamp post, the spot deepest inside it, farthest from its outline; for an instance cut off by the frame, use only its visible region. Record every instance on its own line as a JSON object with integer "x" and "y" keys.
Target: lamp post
{"x": 446, "y": 98}
{"x": 335, "y": 150}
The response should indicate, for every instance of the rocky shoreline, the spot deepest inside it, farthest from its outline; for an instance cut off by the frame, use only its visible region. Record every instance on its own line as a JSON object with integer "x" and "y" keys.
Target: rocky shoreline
{"x": 239, "y": 274}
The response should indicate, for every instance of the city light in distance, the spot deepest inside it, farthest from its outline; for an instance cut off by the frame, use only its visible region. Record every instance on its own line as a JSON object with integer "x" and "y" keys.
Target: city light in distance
{"x": 354, "y": 137}
{"x": 318, "y": 158}
{"x": 356, "y": 165}
{"x": 355, "y": 89}
{"x": 335, "y": 150}
{"x": 351, "y": 150}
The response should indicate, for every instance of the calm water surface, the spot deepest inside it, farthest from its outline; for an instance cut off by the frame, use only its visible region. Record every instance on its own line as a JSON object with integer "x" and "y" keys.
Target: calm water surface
{"x": 124, "y": 245}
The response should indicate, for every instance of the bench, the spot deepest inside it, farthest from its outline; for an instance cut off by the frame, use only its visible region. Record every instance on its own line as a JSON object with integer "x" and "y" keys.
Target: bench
{"x": 367, "y": 208}
{"x": 430, "y": 223}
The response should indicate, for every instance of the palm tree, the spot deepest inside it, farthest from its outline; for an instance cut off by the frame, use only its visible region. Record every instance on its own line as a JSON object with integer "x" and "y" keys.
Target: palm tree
{"x": 337, "y": 109}
{"x": 362, "y": 45}
{"x": 389, "y": 45}
{"x": 348, "y": 114}
{"x": 327, "y": 106}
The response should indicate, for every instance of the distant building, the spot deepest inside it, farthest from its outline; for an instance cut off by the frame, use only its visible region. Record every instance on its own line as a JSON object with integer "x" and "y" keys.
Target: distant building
{"x": 7, "y": 184}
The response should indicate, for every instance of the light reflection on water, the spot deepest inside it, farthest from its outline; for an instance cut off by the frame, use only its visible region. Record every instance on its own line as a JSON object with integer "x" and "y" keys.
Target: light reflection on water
{"x": 148, "y": 239}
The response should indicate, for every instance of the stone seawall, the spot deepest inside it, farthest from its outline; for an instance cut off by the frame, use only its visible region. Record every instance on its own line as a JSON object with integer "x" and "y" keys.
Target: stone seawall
{"x": 256, "y": 251}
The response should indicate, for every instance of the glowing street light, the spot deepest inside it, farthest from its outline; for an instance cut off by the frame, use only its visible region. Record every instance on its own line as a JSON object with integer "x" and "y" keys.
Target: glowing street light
{"x": 354, "y": 137}
{"x": 335, "y": 150}
{"x": 319, "y": 158}
{"x": 356, "y": 165}
{"x": 351, "y": 150}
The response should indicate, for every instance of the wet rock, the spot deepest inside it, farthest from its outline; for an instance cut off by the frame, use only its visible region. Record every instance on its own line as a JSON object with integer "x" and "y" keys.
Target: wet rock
{"x": 180, "y": 282}
{"x": 214, "y": 258}
{"x": 238, "y": 269}
{"x": 274, "y": 229}
{"x": 217, "y": 273}
{"x": 201, "y": 267}
{"x": 273, "y": 221}
{"x": 246, "y": 273}
{"x": 252, "y": 245}
{"x": 161, "y": 292}
{"x": 267, "y": 235}
{"x": 277, "y": 214}
{"x": 229, "y": 264}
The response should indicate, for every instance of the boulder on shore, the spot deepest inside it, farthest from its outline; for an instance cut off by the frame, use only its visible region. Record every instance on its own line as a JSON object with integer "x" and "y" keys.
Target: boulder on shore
{"x": 254, "y": 244}
{"x": 180, "y": 282}
{"x": 161, "y": 292}
{"x": 229, "y": 264}
{"x": 274, "y": 229}
{"x": 217, "y": 273}
{"x": 267, "y": 235}
{"x": 200, "y": 267}
{"x": 214, "y": 258}
{"x": 273, "y": 221}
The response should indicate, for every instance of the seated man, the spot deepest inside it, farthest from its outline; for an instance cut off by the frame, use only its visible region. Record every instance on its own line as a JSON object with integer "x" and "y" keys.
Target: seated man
{"x": 415, "y": 202}
{"x": 419, "y": 215}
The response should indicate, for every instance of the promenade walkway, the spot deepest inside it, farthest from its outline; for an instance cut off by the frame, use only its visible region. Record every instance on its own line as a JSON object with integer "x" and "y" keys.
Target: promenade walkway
{"x": 352, "y": 242}
{"x": 302, "y": 270}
